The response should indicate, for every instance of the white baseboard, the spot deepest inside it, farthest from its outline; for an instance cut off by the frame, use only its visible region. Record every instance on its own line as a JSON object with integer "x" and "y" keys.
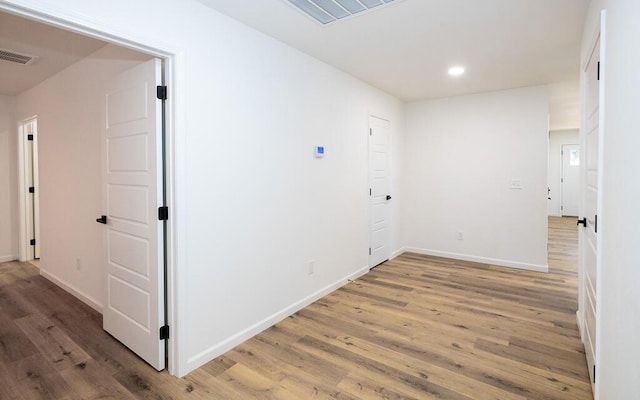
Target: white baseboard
{"x": 205, "y": 356}
{"x": 11, "y": 257}
{"x": 483, "y": 260}
{"x": 88, "y": 300}
{"x": 579, "y": 321}
{"x": 397, "y": 252}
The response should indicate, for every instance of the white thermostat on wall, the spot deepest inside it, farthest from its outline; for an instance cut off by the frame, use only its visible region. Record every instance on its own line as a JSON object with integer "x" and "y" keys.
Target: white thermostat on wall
{"x": 319, "y": 151}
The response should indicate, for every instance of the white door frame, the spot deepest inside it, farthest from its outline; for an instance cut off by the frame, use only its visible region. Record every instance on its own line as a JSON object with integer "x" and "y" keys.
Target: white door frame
{"x": 27, "y": 211}
{"x": 174, "y": 78}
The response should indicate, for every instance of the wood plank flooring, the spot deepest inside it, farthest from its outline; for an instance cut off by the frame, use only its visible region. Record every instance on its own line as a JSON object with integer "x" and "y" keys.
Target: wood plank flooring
{"x": 417, "y": 327}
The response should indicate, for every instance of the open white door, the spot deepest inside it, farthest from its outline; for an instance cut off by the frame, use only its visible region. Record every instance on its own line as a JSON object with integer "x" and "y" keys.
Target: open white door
{"x": 379, "y": 190}
{"x": 134, "y": 310}
{"x": 31, "y": 188}
{"x": 591, "y": 192}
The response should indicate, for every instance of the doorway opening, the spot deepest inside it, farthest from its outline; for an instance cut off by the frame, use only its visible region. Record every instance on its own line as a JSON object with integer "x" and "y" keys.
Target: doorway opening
{"x": 563, "y": 182}
{"x": 559, "y": 191}
{"x": 29, "y": 225}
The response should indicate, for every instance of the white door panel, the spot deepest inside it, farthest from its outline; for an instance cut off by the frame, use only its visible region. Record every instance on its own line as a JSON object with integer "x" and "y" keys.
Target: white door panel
{"x": 134, "y": 309}
{"x": 129, "y": 252}
{"x": 130, "y": 203}
{"x": 119, "y": 149}
{"x": 129, "y": 104}
{"x": 130, "y": 302}
{"x": 380, "y": 185}
{"x": 590, "y": 193}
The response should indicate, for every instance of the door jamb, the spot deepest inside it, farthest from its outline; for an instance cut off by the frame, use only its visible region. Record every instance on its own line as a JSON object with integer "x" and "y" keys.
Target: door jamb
{"x": 174, "y": 106}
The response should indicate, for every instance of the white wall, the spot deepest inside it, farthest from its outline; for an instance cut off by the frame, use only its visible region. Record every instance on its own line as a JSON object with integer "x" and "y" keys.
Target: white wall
{"x": 461, "y": 155}
{"x": 259, "y": 206}
{"x": 8, "y": 180}
{"x": 564, "y": 105}
{"x": 70, "y": 110}
{"x": 556, "y": 140}
{"x": 618, "y": 372}
{"x": 254, "y": 205}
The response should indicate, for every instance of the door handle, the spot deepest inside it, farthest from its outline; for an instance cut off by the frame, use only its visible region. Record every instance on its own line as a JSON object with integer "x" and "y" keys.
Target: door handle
{"x": 582, "y": 222}
{"x": 102, "y": 219}
{"x": 388, "y": 197}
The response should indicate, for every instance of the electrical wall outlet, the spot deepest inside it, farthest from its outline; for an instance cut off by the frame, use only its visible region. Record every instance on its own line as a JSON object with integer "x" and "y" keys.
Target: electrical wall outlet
{"x": 460, "y": 235}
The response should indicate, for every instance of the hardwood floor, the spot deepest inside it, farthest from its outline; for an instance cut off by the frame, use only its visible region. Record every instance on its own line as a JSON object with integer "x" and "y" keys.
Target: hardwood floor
{"x": 417, "y": 327}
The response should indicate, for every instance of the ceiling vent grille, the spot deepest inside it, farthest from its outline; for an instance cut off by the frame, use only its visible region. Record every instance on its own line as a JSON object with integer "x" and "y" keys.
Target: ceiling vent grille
{"x": 20, "y": 58}
{"x": 330, "y": 11}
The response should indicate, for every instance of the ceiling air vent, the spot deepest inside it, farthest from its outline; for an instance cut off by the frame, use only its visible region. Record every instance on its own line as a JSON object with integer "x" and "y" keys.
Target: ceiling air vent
{"x": 330, "y": 11}
{"x": 20, "y": 58}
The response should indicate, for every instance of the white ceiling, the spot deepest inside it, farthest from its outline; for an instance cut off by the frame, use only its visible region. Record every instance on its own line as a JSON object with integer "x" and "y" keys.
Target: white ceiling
{"x": 56, "y": 50}
{"x": 405, "y": 49}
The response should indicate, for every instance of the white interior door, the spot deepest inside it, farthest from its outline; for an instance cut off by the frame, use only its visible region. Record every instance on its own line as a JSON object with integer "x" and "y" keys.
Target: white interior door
{"x": 590, "y": 193}
{"x": 379, "y": 190}
{"x": 134, "y": 309}
{"x": 36, "y": 190}
{"x": 570, "y": 179}
{"x": 32, "y": 188}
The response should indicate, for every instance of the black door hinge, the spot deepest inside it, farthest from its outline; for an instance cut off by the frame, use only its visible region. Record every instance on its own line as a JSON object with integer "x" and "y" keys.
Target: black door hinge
{"x": 163, "y": 213}
{"x": 32, "y": 242}
{"x": 594, "y": 373}
{"x": 369, "y": 191}
{"x": 161, "y": 92}
{"x": 164, "y": 332}
{"x": 369, "y": 250}
{"x": 598, "y": 77}
{"x": 29, "y": 137}
{"x": 370, "y": 132}
{"x": 32, "y": 189}
{"x": 595, "y": 225}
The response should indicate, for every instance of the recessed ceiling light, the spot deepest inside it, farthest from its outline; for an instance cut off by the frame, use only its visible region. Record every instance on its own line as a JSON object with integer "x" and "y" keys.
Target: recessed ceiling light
{"x": 456, "y": 70}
